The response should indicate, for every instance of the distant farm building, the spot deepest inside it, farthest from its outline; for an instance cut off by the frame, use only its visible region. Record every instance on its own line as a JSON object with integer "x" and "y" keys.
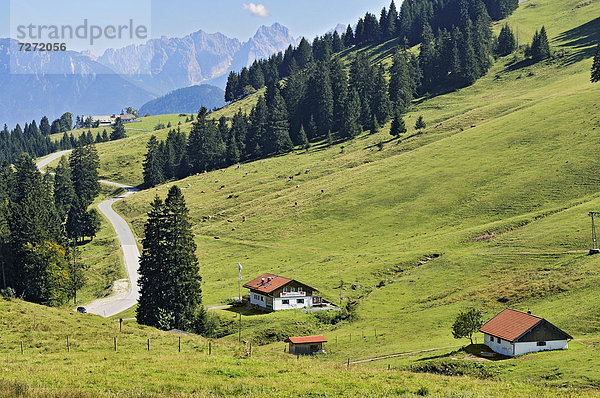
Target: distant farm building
{"x": 514, "y": 332}
{"x": 306, "y": 345}
{"x": 273, "y": 292}
{"x": 104, "y": 121}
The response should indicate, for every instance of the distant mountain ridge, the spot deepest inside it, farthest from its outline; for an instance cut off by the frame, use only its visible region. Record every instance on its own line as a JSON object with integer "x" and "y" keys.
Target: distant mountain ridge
{"x": 186, "y": 100}
{"x": 165, "y": 64}
{"x": 128, "y": 76}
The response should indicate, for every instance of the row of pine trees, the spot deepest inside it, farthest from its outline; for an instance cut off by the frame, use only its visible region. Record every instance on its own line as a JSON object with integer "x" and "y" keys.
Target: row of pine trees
{"x": 461, "y": 30}
{"x": 41, "y": 217}
{"x": 36, "y": 142}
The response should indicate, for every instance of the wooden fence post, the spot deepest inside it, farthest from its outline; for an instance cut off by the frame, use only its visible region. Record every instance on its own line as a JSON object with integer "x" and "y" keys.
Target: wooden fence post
{"x": 348, "y": 362}
{"x": 115, "y": 341}
{"x": 120, "y": 324}
{"x": 148, "y": 344}
{"x": 179, "y": 343}
{"x": 22, "y": 352}
{"x": 68, "y": 345}
{"x": 209, "y": 348}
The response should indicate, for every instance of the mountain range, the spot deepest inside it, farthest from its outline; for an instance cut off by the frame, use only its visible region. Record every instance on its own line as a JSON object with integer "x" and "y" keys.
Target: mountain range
{"x": 128, "y": 76}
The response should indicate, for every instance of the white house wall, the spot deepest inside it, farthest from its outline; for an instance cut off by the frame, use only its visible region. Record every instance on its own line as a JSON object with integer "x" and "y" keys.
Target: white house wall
{"x": 504, "y": 348}
{"x": 292, "y": 302}
{"x": 510, "y": 349}
{"x": 255, "y": 299}
{"x": 525, "y": 348}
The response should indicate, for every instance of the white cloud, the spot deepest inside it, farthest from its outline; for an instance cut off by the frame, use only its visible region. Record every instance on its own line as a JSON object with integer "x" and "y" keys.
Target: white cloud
{"x": 258, "y": 10}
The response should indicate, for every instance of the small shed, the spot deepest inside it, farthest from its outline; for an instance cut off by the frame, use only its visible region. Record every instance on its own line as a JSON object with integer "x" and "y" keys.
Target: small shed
{"x": 306, "y": 345}
{"x": 513, "y": 332}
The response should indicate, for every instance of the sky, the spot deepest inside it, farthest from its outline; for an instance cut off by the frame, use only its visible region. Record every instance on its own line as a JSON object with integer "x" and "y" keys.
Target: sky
{"x": 175, "y": 18}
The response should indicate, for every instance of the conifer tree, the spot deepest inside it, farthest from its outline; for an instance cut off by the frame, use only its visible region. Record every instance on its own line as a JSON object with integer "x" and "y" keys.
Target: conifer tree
{"x": 540, "y": 47}
{"x": 398, "y": 125}
{"x": 339, "y": 89}
{"x": 153, "y": 164}
{"x": 337, "y": 45}
{"x": 32, "y": 220}
{"x": 206, "y": 149}
{"x": 420, "y": 124}
{"x": 321, "y": 97}
{"x": 233, "y": 152}
{"x": 170, "y": 284}
{"x": 105, "y": 137}
{"x": 374, "y": 127}
{"x": 351, "y": 124}
{"x": 304, "y": 144}
{"x": 401, "y": 86}
{"x": 45, "y": 126}
{"x": 84, "y": 163}
{"x": 277, "y": 134}
{"x": 64, "y": 193}
{"x": 349, "y": 37}
{"x": 118, "y": 130}
{"x": 596, "y": 66}
{"x": 381, "y": 105}
{"x": 303, "y": 53}
{"x": 506, "y": 42}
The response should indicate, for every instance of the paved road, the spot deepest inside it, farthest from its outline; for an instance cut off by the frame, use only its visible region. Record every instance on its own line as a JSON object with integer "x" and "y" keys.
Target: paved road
{"x": 122, "y": 301}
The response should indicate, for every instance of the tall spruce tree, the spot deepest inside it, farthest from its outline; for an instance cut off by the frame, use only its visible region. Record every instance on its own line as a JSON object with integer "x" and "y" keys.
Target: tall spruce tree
{"x": 351, "y": 126}
{"x": 170, "y": 284}
{"x": 398, "y": 125}
{"x": 277, "y": 134}
{"x": 84, "y": 162}
{"x": 118, "y": 130}
{"x": 206, "y": 149}
{"x": 506, "y": 42}
{"x": 64, "y": 193}
{"x": 153, "y": 164}
{"x": 339, "y": 89}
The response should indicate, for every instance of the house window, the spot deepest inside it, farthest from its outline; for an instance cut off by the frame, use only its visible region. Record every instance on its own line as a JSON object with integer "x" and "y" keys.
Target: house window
{"x": 285, "y": 301}
{"x": 299, "y": 289}
{"x": 285, "y": 289}
{"x": 300, "y": 301}
{"x": 541, "y": 343}
{"x": 293, "y": 289}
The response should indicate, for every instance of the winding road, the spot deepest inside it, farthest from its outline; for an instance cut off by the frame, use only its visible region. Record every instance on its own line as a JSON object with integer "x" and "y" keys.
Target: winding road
{"x": 120, "y": 302}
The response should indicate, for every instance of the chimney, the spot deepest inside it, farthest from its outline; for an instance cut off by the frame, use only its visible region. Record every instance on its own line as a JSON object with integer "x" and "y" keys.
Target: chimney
{"x": 269, "y": 279}
{"x": 529, "y": 311}
{"x": 262, "y": 280}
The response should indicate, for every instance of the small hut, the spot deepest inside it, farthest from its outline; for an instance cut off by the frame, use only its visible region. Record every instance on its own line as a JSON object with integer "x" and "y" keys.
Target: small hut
{"x": 306, "y": 345}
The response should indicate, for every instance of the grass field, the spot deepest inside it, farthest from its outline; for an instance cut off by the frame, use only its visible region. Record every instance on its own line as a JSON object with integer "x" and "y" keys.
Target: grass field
{"x": 486, "y": 208}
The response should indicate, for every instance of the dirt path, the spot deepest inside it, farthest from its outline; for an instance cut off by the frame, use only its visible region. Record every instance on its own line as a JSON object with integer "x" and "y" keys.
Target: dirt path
{"x": 401, "y": 354}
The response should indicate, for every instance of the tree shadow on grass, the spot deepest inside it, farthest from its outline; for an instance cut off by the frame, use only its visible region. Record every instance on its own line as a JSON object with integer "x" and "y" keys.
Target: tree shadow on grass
{"x": 582, "y": 39}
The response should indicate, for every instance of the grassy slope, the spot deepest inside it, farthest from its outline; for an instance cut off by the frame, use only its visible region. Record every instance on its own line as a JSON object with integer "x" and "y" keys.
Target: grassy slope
{"x": 513, "y": 155}
{"x": 92, "y": 368}
{"x": 514, "y": 148}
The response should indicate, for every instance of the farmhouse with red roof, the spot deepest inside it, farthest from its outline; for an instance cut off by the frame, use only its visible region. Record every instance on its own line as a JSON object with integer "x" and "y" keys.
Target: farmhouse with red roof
{"x": 514, "y": 332}
{"x": 273, "y": 292}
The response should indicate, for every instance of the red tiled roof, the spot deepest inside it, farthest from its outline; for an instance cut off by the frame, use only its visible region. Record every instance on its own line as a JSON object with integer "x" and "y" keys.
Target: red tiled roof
{"x": 262, "y": 283}
{"x": 510, "y": 324}
{"x": 306, "y": 340}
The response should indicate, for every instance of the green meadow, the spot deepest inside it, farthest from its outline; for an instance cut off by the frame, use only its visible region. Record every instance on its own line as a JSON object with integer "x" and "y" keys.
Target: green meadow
{"x": 487, "y": 208}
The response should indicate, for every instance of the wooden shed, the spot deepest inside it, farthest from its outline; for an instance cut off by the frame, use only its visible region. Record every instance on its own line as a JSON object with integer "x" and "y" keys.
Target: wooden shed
{"x": 306, "y": 345}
